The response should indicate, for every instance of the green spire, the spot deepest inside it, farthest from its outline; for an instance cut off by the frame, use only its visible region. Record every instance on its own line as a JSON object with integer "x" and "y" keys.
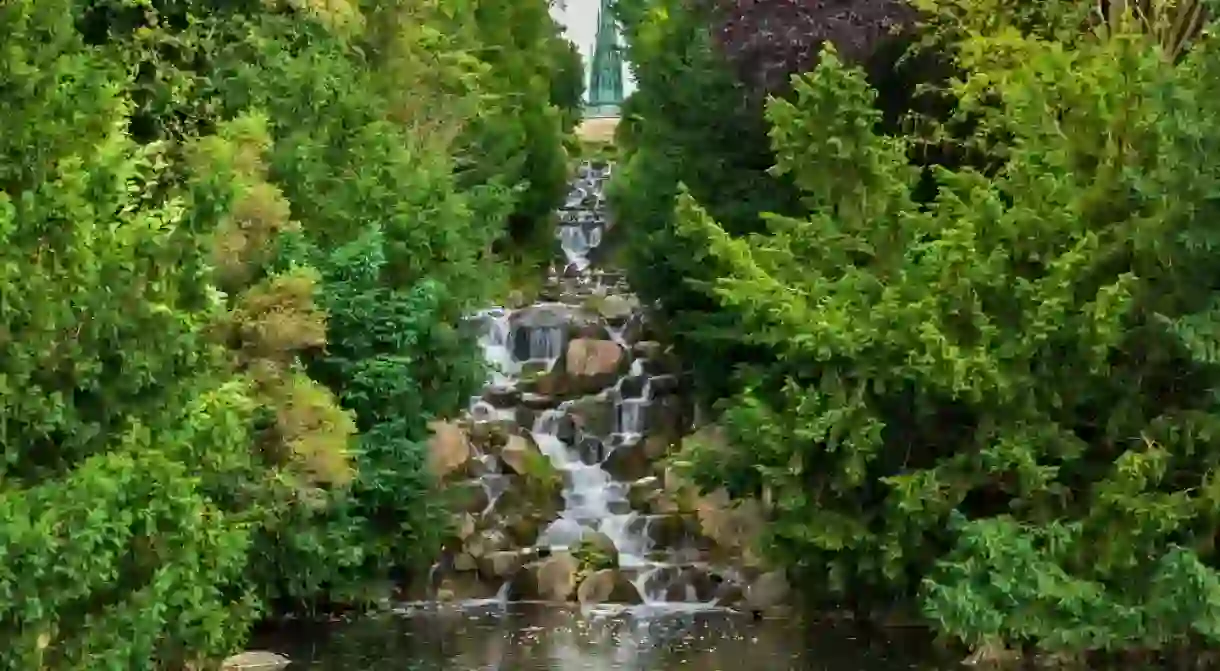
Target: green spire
{"x": 606, "y": 70}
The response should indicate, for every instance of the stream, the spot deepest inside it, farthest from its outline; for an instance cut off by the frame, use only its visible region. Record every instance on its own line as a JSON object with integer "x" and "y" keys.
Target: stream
{"x": 576, "y": 380}
{"x": 535, "y": 637}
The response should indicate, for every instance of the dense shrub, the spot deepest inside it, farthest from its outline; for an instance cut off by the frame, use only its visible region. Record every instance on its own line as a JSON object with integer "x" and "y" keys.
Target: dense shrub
{"x": 122, "y": 541}
{"x": 690, "y": 121}
{"x": 238, "y": 238}
{"x": 1000, "y": 400}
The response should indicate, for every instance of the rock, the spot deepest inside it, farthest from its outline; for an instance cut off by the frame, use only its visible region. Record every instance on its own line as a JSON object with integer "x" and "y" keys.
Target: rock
{"x": 255, "y": 660}
{"x": 464, "y": 587}
{"x": 489, "y": 435}
{"x": 648, "y": 349}
{"x": 670, "y": 530}
{"x": 534, "y": 401}
{"x": 502, "y": 397}
{"x": 463, "y": 525}
{"x": 607, "y": 586}
{"x": 663, "y": 385}
{"x": 469, "y": 497}
{"x": 464, "y": 562}
{"x": 593, "y": 415}
{"x": 656, "y": 447}
{"x": 665, "y": 418}
{"x": 487, "y": 542}
{"x": 729, "y": 595}
{"x": 768, "y": 591}
{"x": 693, "y": 584}
{"x": 502, "y": 563}
{"x": 616, "y": 308}
{"x": 448, "y": 449}
{"x": 517, "y": 454}
{"x": 643, "y": 492}
{"x": 556, "y": 578}
{"x": 523, "y": 529}
{"x": 591, "y": 450}
{"x": 733, "y": 526}
{"x": 627, "y": 461}
{"x": 595, "y": 551}
{"x": 588, "y": 358}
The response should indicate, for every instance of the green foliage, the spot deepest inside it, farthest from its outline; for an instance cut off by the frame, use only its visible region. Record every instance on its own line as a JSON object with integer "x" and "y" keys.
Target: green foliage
{"x": 689, "y": 121}
{"x": 121, "y": 544}
{"x": 237, "y": 240}
{"x": 1000, "y": 400}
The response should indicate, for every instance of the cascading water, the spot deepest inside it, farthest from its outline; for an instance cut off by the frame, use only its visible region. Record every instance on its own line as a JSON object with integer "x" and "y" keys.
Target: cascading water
{"x": 590, "y": 423}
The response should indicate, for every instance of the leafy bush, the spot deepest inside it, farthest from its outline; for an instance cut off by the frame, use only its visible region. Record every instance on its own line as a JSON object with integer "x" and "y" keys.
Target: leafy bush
{"x": 690, "y": 121}
{"x": 122, "y": 545}
{"x": 238, "y": 238}
{"x": 1000, "y": 399}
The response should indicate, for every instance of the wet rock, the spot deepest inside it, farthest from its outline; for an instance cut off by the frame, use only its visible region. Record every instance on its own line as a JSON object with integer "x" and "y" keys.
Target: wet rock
{"x": 593, "y": 364}
{"x": 666, "y": 418}
{"x": 469, "y": 497}
{"x": 607, "y": 586}
{"x": 490, "y": 435}
{"x": 648, "y": 349}
{"x": 691, "y": 584}
{"x": 487, "y": 542}
{"x": 464, "y": 587}
{"x": 768, "y": 591}
{"x": 503, "y": 563}
{"x": 643, "y": 492}
{"x": 448, "y": 449}
{"x": 729, "y": 595}
{"x": 255, "y": 660}
{"x": 595, "y": 551}
{"x": 735, "y": 526}
{"x": 464, "y": 562}
{"x": 614, "y": 308}
{"x": 664, "y": 385}
{"x": 524, "y": 529}
{"x": 464, "y": 526}
{"x": 627, "y": 461}
{"x": 656, "y": 447}
{"x": 551, "y": 579}
{"x": 671, "y": 530}
{"x": 593, "y": 415}
{"x": 520, "y": 454}
{"x": 590, "y": 450}
{"x": 534, "y": 401}
{"x": 502, "y": 397}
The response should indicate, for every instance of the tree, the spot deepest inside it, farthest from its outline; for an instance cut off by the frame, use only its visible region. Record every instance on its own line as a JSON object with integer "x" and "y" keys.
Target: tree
{"x": 1002, "y": 398}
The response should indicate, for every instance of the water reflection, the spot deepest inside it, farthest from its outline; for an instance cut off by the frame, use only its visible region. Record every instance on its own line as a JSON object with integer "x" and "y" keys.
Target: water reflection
{"x": 524, "y": 637}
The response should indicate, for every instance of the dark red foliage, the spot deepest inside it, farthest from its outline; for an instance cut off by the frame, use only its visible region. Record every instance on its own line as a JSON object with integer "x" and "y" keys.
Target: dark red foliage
{"x": 768, "y": 41}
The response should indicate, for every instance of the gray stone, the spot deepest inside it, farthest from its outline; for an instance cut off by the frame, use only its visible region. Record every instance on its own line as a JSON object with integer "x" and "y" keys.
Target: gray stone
{"x": 255, "y": 660}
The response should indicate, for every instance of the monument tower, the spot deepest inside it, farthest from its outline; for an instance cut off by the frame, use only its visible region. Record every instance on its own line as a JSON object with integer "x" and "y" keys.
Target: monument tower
{"x": 605, "y": 92}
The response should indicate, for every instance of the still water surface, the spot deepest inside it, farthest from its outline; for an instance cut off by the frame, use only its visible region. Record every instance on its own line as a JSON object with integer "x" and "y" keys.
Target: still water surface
{"x": 524, "y": 637}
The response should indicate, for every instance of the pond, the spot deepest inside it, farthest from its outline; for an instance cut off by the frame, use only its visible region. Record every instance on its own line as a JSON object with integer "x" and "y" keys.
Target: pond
{"x": 529, "y": 637}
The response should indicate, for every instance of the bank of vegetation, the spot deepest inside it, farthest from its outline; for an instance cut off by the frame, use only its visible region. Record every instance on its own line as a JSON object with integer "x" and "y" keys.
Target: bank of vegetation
{"x": 963, "y": 255}
{"x": 236, "y": 241}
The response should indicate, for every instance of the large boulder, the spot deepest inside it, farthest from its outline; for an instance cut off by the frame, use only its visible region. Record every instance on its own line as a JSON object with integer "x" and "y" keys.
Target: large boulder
{"x": 503, "y": 563}
{"x": 449, "y": 449}
{"x": 767, "y": 592}
{"x": 607, "y": 586}
{"x": 627, "y": 460}
{"x": 518, "y": 454}
{"x": 594, "y": 364}
{"x": 595, "y": 551}
{"x": 552, "y": 579}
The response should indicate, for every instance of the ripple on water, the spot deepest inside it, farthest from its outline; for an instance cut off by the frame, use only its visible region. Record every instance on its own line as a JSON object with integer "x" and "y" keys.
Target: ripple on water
{"x": 535, "y": 637}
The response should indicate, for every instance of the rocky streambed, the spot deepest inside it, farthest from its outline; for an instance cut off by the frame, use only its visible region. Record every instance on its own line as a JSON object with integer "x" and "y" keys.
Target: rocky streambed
{"x": 558, "y": 474}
